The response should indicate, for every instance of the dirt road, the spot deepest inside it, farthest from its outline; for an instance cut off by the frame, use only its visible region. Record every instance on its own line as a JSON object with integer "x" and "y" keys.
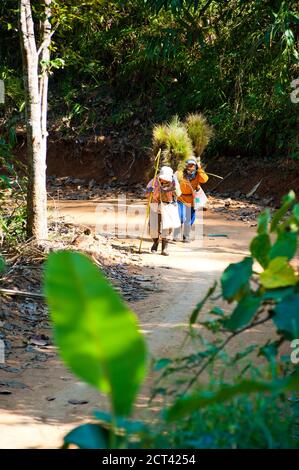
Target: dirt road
{"x": 39, "y": 414}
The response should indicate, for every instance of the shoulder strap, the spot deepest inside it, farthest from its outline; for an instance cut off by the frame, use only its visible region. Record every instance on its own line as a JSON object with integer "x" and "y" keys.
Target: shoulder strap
{"x": 193, "y": 192}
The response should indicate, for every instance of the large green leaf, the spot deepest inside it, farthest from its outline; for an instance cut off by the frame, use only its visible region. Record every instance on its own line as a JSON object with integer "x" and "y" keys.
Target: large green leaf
{"x": 286, "y": 316}
{"x": 243, "y": 313}
{"x": 235, "y": 278}
{"x": 189, "y": 404}
{"x": 96, "y": 332}
{"x": 260, "y": 247}
{"x": 287, "y": 203}
{"x": 285, "y": 245}
{"x": 88, "y": 436}
{"x": 278, "y": 274}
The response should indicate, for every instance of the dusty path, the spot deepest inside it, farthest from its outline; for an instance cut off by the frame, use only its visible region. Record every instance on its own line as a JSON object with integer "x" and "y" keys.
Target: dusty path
{"x": 38, "y": 417}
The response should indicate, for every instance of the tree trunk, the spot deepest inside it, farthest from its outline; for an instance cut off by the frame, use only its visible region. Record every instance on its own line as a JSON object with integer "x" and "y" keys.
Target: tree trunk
{"x": 36, "y": 125}
{"x": 44, "y": 75}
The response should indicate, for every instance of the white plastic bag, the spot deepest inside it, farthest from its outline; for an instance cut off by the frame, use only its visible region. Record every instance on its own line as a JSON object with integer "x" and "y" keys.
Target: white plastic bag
{"x": 200, "y": 199}
{"x": 170, "y": 216}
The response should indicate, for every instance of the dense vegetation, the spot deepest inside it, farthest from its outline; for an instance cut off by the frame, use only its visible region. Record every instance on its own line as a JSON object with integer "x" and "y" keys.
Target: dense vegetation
{"x": 119, "y": 66}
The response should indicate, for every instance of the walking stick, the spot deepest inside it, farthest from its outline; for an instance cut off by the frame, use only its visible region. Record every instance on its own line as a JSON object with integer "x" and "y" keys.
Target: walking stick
{"x": 157, "y": 160}
{"x": 216, "y": 176}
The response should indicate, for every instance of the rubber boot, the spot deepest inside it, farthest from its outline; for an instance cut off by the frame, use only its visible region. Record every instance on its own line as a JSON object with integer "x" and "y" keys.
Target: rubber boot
{"x": 155, "y": 245}
{"x": 164, "y": 247}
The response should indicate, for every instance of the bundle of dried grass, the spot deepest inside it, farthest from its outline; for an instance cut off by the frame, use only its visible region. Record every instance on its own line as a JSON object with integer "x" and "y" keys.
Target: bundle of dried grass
{"x": 172, "y": 138}
{"x": 199, "y": 131}
{"x": 180, "y": 141}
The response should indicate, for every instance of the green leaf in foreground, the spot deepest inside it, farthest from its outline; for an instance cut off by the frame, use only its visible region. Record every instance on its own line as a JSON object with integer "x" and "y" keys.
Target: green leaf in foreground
{"x": 260, "y": 247}
{"x": 276, "y": 295}
{"x": 88, "y": 436}
{"x": 287, "y": 202}
{"x": 130, "y": 426}
{"x": 96, "y": 333}
{"x": 243, "y": 313}
{"x": 278, "y": 274}
{"x": 286, "y": 316}
{"x": 235, "y": 278}
{"x": 285, "y": 245}
{"x": 189, "y": 404}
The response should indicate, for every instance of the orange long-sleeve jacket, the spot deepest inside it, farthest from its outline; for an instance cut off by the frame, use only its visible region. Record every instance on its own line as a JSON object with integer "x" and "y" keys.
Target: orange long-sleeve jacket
{"x": 189, "y": 186}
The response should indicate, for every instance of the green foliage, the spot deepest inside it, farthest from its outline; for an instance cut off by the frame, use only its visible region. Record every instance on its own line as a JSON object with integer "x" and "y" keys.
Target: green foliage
{"x": 2, "y": 265}
{"x": 173, "y": 4}
{"x": 278, "y": 282}
{"x": 13, "y": 224}
{"x": 96, "y": 333}
{"x": 286, "y": 317}
{"x": 88, "y": 436}
{"x": 12, "y": 213}
{"x": 187, "y": 405}
{"x": 233, "y": 62}
{"x": 287, "y": 203}
{"x": 14, "y": 92}
{"x": 243, "y": 313}
{"x": 285, "y": 245}
{"x": 270, "y": 295}
{"x": 235, "y": 279}
{"x": 278, "y": 274}
{"x": 263, "y": 421}
{"x": 263, "y": 222}
{"x": 260, "y": 247}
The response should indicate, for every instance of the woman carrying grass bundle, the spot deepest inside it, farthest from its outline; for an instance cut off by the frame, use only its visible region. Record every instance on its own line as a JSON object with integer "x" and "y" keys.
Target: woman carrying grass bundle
{"x": 181, "y": 145}
{"x": 190, "y": 180}
{"x": 163, "y": 209}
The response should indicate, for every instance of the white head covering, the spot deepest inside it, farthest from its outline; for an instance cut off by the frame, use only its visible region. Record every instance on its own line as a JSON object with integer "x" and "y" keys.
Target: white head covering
{"x": 194, "y": 160}
{"x": 166, "y": 173}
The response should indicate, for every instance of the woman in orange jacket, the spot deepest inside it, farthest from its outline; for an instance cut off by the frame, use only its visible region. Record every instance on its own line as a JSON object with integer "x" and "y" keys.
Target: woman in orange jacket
{"x": 190, "y": 180}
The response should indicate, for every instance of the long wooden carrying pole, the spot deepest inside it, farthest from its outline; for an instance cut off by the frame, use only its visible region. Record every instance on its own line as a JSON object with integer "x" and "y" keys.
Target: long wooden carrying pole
{"x": 216, "y": 176}
{"x": 157, "y": 163}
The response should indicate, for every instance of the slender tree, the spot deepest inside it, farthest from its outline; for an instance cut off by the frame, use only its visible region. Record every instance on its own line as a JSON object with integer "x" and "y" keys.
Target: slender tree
{"x": 35, "y": 71}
